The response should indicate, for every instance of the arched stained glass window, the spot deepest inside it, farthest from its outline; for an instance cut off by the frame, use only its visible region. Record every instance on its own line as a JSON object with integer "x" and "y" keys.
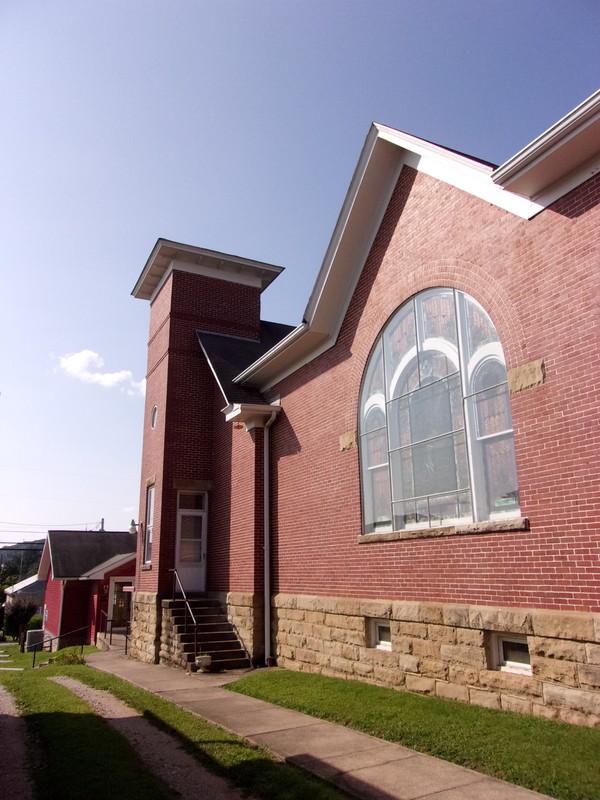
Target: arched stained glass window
{"x": 436, "y": 439}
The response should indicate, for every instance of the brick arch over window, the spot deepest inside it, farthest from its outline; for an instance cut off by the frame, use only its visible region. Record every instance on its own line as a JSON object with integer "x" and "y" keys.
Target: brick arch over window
{"x": 477, "y": 282}
{"x": 454, "y": 273}
{"x": 435, "y": 429}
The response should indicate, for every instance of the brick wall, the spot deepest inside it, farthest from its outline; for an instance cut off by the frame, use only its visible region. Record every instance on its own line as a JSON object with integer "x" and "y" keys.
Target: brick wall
{"x": 235, "y": 513}
{"x": 537, "y": 279}
{"x": 182, "y": 387}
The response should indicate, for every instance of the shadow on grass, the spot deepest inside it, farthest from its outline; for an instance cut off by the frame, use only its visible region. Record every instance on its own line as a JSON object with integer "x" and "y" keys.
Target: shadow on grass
{"x": 81, "y": 753}
{"x": 245, "y": 765}
{"x": 77, "y": 754}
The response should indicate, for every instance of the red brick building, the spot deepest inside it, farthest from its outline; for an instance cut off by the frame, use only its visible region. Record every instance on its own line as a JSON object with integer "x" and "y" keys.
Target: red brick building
{"x": 409, "y": 478}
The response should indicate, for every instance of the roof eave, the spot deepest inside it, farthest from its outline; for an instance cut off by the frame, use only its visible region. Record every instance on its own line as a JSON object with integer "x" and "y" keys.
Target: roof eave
{"x": 251, "y": 415}
{"x": 99, "y": 571}
{"x": 557, "y": 160}
{"x": 384, "y": 154}
{"x": 168, "y": 255}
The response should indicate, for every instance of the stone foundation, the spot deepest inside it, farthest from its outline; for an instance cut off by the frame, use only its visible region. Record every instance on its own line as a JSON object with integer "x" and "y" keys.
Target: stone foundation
{"x": 168, "y": 652}
{"x": 448, "y": 651}
{"x": 145, "y": 627}
{"x": 245, "y": 612}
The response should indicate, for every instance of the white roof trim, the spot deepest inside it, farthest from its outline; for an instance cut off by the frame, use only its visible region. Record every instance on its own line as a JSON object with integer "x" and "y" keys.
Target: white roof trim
{"x": 99, "y": 571}
{"x": 45, "y": 562}
{"x": 167, "y": 256}
{"x": 459, "y": 171}
{"x": 383, "y": 156}
{"x": 16, "y": 587}
{"x": 252, "y": 415}
{"x": 559, "y": 159}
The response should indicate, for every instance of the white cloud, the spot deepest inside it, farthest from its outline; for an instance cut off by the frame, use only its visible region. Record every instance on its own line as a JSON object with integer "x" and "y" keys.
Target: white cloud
{"x": 87, "y": 366}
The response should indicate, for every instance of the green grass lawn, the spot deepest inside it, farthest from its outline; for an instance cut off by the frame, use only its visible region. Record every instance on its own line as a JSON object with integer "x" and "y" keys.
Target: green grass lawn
{"x": 73, "y": 748}
{"x": 74, "y": 752}
{"x": 557, "y": 759}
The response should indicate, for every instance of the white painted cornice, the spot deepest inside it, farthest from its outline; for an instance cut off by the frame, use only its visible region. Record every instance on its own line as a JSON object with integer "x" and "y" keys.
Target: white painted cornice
{"x": 561, "y": 158}
{"x": 167, "y": 256}
{"x": 250, "y": 414}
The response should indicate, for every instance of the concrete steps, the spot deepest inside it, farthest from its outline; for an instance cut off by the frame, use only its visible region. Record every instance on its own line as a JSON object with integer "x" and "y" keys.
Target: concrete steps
{"x": 215, "y": 636}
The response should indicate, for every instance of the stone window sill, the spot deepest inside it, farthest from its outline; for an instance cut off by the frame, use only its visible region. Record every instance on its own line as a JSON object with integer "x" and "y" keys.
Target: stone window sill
{"x": 146, "y": 567}
{"x": 467, "y": 529}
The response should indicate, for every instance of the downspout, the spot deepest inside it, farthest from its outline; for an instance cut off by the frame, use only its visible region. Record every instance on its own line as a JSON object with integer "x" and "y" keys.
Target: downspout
{"x": 267, "y": 537}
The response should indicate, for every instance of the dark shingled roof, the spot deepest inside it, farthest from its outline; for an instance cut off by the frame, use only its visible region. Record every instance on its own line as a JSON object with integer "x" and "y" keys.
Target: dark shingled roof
{"x": 230, "y": 355}
{"x": 73, "y": 553}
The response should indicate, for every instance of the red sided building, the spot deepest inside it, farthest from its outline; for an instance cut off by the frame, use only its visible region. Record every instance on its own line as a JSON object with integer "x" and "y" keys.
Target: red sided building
{"x": 89, "y": 576}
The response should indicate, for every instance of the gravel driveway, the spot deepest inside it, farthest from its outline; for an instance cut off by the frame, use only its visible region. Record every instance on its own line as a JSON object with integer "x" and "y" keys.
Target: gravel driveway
{"x": 161, "y": 753}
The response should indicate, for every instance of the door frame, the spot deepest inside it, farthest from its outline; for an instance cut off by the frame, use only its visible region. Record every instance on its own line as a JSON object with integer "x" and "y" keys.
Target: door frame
{"x": 201, "y": 565}
{"x": 111, "y": 594}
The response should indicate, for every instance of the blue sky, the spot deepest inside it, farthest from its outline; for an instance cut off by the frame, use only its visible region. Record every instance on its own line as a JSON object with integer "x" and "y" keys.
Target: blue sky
{"x": 233, "y": 125}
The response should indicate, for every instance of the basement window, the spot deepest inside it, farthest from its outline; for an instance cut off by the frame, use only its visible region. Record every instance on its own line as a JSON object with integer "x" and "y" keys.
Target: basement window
{"x": 380, "y": 634}
{"x": 511, "y": 653}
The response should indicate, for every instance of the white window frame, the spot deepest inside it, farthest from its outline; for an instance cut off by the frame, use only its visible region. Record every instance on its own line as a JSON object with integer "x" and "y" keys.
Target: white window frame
{"x": 150, "y": 500}
{"x": 375, "y": 631}
{"x": 192, "y": 512}
{"x": 457, "y": 354}
{"x": 502, "y": 664}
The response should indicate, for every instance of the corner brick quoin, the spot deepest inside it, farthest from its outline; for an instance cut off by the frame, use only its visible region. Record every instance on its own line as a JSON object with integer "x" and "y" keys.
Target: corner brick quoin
{"x": 445, "y": 650}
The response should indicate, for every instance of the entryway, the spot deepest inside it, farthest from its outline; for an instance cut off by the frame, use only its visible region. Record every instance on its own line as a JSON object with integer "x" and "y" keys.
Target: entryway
{"x": 119, "y": 603}
{"x": 191, "y": 540}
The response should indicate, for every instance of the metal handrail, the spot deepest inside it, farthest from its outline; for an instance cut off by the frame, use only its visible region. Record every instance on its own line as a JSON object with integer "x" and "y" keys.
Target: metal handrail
{"x": 195, "y": 623}
{"x": 104, "y": 629}
{"x": 188, "y": 609}
{"x": 42, "y": 645}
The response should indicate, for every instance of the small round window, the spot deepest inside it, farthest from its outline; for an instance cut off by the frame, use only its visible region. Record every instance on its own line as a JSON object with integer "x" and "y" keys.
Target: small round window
{"x": 153, "y": 417}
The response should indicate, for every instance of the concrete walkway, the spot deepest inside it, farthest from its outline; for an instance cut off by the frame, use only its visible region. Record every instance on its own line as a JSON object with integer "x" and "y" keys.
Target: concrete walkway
{"x": 362, "y": 765}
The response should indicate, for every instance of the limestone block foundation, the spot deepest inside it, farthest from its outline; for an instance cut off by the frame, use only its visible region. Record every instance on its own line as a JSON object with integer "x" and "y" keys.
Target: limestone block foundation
{"x": 245, "y": 612}
{"x": 145, "y": 627}
{"x": 446, "y": 650}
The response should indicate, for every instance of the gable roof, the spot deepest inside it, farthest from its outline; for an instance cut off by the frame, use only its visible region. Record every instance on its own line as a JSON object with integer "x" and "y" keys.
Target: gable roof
{"x": 228, "y": 355}
{"x": 557, "y": 161}
{"x": 72, "y": 554}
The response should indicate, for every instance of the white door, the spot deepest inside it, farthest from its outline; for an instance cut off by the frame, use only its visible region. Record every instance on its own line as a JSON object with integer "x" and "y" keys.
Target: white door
{"x": 191, "y": 540}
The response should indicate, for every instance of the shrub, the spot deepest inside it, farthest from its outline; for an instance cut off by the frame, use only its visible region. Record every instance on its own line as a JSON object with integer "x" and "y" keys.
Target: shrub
{"x": 17, "y": 615}
{"x": 35, "y": 623}
{"x": 69, "y": 655}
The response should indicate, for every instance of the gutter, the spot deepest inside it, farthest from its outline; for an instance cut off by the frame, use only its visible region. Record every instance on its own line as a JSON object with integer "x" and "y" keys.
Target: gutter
{"x": 573, "y": 123}
{"x": 274, "y": 351}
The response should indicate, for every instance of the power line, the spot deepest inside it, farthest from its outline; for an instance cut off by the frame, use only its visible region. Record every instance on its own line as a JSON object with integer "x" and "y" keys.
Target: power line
{"x": 44, "y": 525}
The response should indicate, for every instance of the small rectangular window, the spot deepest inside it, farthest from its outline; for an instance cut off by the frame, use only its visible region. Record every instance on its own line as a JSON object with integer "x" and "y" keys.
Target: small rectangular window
{"x": 379, "y": 634}
{"x": 511, "y": 653}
